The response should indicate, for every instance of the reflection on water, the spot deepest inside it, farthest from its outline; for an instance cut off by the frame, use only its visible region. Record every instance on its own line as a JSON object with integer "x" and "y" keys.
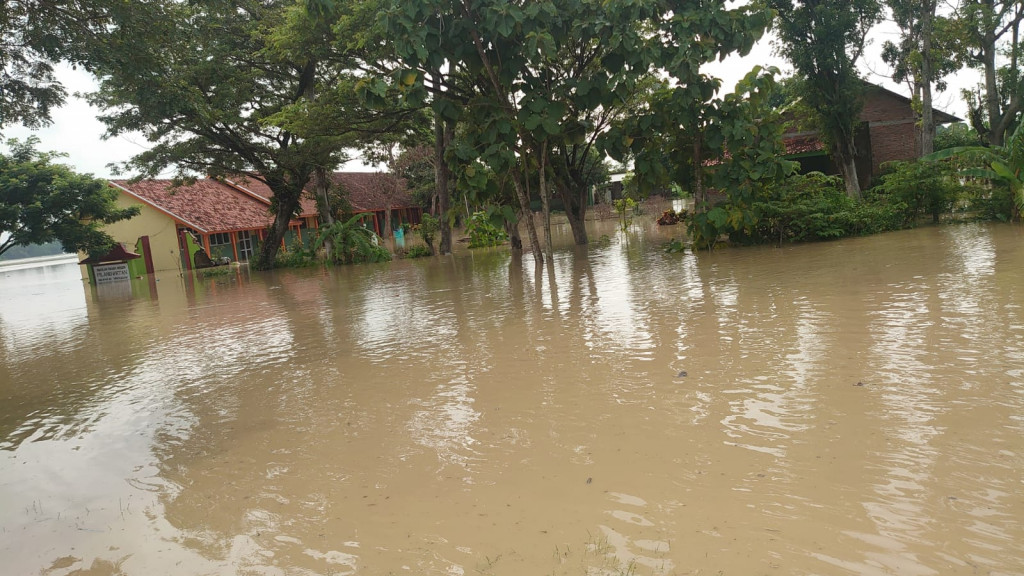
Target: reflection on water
{"x": 853, "y": 407}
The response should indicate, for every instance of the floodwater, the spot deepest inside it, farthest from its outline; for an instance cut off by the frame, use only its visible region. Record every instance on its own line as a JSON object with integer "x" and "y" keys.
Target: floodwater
{"x": 852, "y": 407}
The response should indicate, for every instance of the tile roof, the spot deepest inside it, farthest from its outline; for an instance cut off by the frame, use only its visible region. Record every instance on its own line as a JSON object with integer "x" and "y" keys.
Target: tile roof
{"x": 243, "y": 203}
{"x": 119, "y": 253}
{"x": 795, "y": 144}
{"x": 369, "y": 191}
{"x": 259, "y": 189}
{"x": 207, "y": 205}
{"x": 802, "y": 144}
{"x": 366, "y": 191}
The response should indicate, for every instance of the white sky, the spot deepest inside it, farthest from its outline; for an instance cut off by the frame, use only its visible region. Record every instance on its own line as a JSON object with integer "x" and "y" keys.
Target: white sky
{"x": 76, "y": 132}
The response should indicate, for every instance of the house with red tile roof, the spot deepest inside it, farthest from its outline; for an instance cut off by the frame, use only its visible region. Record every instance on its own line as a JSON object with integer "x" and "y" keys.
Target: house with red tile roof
{"x": 370, "y": 193}
{"x": 376, "y": 193}
{"x": 208, "y": 216}
{"x": 188, "y": 226}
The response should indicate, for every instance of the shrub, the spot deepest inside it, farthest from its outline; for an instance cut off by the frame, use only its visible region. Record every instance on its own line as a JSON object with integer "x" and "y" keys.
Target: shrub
{"x": 626, "y": 208}
{"x": 418, "y": 251}
{"x": 295, "y": 257}
{"x": 428, "y": 228}
{"x": 484, "y": 232}
{"x": 921, "y": 188}
{"x": 352, "y": 243}
{"x": 814, "y": 206}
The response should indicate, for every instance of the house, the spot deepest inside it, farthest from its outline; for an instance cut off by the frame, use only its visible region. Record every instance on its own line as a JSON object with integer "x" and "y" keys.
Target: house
{"x": 887, "y": 131}
{"x": 176, "y": 223}
{"x": 221, "y": 220}
{"x": 370, "y": 193}
{"x": 373, "y": 193}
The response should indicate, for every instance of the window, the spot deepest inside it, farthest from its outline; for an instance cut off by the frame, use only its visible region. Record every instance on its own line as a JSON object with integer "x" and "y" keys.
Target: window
{"x": 244, "y": 246}
{"x": 220, "y": 239}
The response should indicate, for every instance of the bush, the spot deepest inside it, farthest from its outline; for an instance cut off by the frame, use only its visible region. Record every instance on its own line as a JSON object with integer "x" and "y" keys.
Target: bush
{"x": 296, "y": 257}
{"x": 993, "y": 202}
{"x": 921, "y": 188}
{"x": 484, "y": 232}
{"x": 418, "y": 251}
{"x": 352, "y": 243}
{"x": 428, "y": 229}
{"x": 626, "y": 208}
{"x": 810, "y": 207}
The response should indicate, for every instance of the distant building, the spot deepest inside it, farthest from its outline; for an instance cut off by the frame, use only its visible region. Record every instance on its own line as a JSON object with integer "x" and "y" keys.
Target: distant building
{"x": 887, "y": 131}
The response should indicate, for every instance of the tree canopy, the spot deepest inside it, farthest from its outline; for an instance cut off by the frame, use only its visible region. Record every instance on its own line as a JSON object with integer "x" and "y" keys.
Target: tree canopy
{"x": 823, "y": 39}
{"x": 221, "y": 88}
{"x": 42, "y": 201}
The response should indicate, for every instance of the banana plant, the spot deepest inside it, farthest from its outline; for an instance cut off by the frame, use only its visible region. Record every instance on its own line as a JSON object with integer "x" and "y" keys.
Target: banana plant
{"x": 351, "y": 242}
{"x": 1002, "y": 164}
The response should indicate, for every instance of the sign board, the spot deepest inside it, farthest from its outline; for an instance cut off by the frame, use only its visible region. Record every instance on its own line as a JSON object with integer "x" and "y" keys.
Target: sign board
{"x": 107, "y": 273}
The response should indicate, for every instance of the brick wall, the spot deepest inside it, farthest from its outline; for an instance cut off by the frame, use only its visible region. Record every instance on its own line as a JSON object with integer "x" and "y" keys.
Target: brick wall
{"x": 884, "y": 106}
{"x": 892, "y": 142}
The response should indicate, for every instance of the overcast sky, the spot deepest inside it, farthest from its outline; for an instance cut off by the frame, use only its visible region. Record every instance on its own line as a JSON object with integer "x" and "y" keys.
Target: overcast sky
{"x": 76, "y": 132}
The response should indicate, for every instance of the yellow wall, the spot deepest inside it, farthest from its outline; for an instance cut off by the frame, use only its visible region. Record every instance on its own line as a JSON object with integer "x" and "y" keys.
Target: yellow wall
{"x": 162, "y": 231}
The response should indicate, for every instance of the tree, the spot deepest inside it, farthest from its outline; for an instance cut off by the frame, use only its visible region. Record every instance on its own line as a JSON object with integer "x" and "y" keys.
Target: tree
{"x": 390, "y": 150}
{"x": 922, "y": 58}
{"x": 579, "y": 57}
{"x": 957, "y": 134}
{"x": 222, "y": 88}
{"x": 41, "y": 201}
{"x": 670, "y": 135}
{"x": 984, "y": 25}
{"x": 34, "y": 35}
{"x": 201, "y": 83}
{"x": 823, "y": 39}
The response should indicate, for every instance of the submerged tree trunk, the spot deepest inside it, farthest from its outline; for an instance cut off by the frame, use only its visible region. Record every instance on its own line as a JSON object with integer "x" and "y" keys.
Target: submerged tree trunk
{"x": 699, "y": 199}
{"x": 442, "y": 137}
{"x": 286, "y": 205}
{"x": 524, "y": 206}
{"x": 515, "y": 239}
{"x": 544, "y": 201}
{"x": 927, "y": 113}
{"x": 321, "y": 185}
{"x": 576, "y": 212}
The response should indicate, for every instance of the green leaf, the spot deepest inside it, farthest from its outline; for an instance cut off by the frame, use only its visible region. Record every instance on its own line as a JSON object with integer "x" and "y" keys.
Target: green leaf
{"x": 551, "y": 126}
{"x": 718, "y": 216}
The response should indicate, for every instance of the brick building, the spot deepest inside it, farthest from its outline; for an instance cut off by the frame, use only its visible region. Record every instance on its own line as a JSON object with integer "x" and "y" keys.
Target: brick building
{"x": 887, "y": 131}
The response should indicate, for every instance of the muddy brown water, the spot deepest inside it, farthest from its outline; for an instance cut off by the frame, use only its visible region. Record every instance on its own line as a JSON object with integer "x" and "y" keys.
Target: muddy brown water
{"x": 853, "y": 407}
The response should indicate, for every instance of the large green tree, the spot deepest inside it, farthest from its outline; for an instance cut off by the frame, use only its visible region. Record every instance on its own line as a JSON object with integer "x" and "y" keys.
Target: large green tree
{"x": 539, "y": 69}
{"x": 200, "y": 83}
{"x": 675, "y": 134}
{"x": 42, "y": 201}
{"x": 921, "y": 58}
{"x": 222, "y": 88}
{"x": 35, "y": 35}
{"x": 823, "y": 39}
{"x": 990, "y": 29}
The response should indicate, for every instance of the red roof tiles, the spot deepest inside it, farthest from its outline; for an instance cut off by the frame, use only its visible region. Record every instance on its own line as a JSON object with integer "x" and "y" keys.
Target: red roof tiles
{"x": 372, "y": 191}
{"x": 243, "y": 203}
{"x": 802, "y": 144}
{"x": 206, "y": 206}
{"x": 252, "y": 186}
